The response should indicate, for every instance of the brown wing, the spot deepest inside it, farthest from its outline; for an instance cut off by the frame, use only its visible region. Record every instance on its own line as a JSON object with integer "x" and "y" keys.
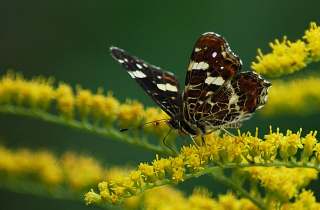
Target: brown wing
{"x": 212, "y": 64}
{"x": 234, "y": 102}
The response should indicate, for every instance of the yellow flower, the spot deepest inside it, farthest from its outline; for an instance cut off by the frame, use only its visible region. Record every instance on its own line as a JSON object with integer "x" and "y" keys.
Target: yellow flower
{"x": 312, "y": 36}
{"x": 290, "y": 179}
{"x": 112, "y": 107}
{"x": 92, "y": 197}
{"x": 22, "y": 162}
{"x": 224, "y": 150}
{"x": 48, "y": 167}
{"x": 290, "y": 144}
{"x": 83, "y": 101}
{"x": 91, "y": 171}
{"x": 305, "y": 201}
{"x": 104, "y": 107}
{"x": 38, "y": 93}
{"x": 298, "y": 100}
{"x": 309, "y": 143}
{"x": 317, "y": 152}
{"x": 65, "y": 100}
{"x": 130, "y": 113}
{"x": 286, "y": 57}
{"x": 147, "y": 171}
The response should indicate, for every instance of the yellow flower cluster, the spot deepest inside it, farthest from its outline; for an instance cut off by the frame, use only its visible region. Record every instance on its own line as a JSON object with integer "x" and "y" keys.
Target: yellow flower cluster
{"x": 300, "y": 96}
{"x": 96, "y": 108}
{"x": 227, "y": 151}
{"x": 77, "y": 171}
{"x": 24, "y": 162}
{"x": 168, "y": 198}
{"x": 313, "y": 42}
{"x": 305, "y": 201}
{"x": 287, "y": 56}
{"x": 291, "y": 180}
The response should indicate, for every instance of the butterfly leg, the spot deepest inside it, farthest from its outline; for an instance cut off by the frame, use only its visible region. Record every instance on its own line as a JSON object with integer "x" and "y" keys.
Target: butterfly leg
{"x": 165, "y": 143}
{"x": 203, "y": 140}
{"x": 227, "y": 132}
{"x": 194, "y": 141}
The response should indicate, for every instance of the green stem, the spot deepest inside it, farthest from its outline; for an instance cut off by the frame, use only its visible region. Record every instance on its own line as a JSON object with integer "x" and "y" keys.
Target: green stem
{"x": 238, "y": 189}
{"x": 109, "y": 132}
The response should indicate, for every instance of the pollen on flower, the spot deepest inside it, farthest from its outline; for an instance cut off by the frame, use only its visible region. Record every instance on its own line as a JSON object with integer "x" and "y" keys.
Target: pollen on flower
{"x": 312, "y": 37}
{"x": 309, "y": 142}
{"x": 104, "y": 107}
{"x": 299, "y": 101}
{"x": 65, "y": 100}
{"x": 130, "y": 113}
{"x": 290, "y": 144}
{"x": 37, "y": 93}
{"x": 147, "y": 171}
{"x": 224, "y": 150}
{"x": 112, "y": 107}
{"x": 91, "y": 171}
{"x": 286, "y": 57}
{"x": 290, "y": 179}
{"x": 83, "y": 101}
{"x": 92, "y": 197}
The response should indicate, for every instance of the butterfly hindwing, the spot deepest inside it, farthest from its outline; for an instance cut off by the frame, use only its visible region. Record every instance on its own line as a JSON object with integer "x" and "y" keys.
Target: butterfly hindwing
{"x": 235, "y": 101}
{"x": 161, "y": 86}
{"x": 212, "y": 64}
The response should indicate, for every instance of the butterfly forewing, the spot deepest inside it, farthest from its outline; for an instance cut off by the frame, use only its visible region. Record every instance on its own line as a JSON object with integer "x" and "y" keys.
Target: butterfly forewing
{"x": 212, "y": 64}
{"x": 161, "y": 86}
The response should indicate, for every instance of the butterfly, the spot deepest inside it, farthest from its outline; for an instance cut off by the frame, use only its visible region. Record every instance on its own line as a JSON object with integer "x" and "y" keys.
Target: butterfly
{"x": 216, "y": 94}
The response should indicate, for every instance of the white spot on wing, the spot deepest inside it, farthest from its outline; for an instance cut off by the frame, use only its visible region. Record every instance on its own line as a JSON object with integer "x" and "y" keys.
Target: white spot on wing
{"x": 162, "y": 87}
{"x": 171, "y": 88}
{"x": 167, "y": 87}
{"x": 120, "y": 61}
{"x": 139, "y": 74}
{"x": 197, "y": 49}
{"x": 214, "y": 54}
{"x": 199, "y": 66}
{"x": 131, "y": 74}
{"x": 214, "y": 80}
{"x": 139, "y": 66}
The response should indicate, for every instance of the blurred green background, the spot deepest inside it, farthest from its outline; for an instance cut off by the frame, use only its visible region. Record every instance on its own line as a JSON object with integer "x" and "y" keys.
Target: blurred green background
{"x": 69, "y": 40}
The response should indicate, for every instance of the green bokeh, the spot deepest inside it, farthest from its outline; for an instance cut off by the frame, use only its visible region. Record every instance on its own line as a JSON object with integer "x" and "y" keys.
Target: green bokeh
{"x": 70, "y": 39}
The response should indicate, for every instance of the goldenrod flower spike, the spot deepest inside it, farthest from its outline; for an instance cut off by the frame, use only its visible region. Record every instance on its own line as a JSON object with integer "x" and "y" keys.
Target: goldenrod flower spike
{"x": 77, "y": 171}
{"x": 275, "y": 150}
{"x": 288, "y": 97}
{"x": 93, "y": 112}
{"x": 312, "y": 37}
{"x": 289, "y": 56}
